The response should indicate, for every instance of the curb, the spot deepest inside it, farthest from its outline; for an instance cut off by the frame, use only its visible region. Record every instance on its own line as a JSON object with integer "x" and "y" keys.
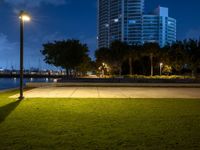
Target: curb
{"x": 7, "y": 90}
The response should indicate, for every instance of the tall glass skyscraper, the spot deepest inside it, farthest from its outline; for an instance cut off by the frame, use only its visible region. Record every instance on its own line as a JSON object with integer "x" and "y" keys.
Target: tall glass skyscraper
{"x": 125, "y": 20}
{"x": 132, "y": 21}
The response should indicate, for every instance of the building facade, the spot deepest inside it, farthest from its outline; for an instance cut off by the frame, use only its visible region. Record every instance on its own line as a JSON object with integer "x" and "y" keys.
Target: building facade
{"x": 159, "y": 28}
{"x": 125, "y": 20}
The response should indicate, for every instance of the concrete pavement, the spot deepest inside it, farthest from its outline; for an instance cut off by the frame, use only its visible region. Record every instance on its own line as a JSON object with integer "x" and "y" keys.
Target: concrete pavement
{"x": 94, "y": 84}
{"x": 111, "y": 92}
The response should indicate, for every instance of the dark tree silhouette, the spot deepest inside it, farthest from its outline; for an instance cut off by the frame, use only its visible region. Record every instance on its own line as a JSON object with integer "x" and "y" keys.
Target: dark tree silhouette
{"x": 118, "y": 54}
{"x": 133, "y": 54}
{"x": 193, "y": 54}
{"x": 69, "y": 54}
{"x": 177, "y": 56}
{"x": 151, "y": 50}
{"x": 103, "y": 55}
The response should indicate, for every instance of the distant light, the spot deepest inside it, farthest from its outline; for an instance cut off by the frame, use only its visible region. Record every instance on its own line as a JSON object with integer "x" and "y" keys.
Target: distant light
{"x": 161, "y": 64}
{"x": 55, "y": 80}
{"x": 106, "y": 25}
{"x": 116, "y": 20}
{"x": 25, "y": 18}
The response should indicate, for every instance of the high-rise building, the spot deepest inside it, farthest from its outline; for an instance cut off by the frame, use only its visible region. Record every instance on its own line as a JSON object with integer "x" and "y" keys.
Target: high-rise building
{"x": 132, "y": 21}
{"x": 103, "y": 23}
{"x": 159, "y": 27}
{"x": 125, "y": 20}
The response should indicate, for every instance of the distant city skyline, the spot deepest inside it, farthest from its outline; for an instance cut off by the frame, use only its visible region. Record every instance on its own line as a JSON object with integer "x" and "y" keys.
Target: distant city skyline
{"x": 63, "y": 19}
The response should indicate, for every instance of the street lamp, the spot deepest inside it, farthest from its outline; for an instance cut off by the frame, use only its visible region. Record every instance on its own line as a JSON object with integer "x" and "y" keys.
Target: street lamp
{"x": 24, "y": 17}
{"x": 161, "y": 65}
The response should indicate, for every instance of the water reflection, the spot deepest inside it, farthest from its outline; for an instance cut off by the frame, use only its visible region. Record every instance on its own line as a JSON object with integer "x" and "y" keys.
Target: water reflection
{"x": 7, "y": 83}
{"x": 15, "y": 80}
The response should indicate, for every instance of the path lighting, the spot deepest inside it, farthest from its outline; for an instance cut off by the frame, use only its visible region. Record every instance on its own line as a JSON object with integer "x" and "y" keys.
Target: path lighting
{"x": 161, "y": 66}
{"x": 24, "y": 17}
{"x": 104, "y": 68}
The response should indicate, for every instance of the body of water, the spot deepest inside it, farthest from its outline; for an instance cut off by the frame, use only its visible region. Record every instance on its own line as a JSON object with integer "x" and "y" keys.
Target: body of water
{"x": 8, "y": 83}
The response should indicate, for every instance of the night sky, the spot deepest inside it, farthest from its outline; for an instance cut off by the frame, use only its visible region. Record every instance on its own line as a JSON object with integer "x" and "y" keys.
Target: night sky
{"x": 63, "y": 19}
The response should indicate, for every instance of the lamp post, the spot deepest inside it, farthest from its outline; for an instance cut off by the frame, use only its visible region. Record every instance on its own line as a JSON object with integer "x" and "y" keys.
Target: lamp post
{"x": 24, "y": 17}
{"x": 161, "y": 65}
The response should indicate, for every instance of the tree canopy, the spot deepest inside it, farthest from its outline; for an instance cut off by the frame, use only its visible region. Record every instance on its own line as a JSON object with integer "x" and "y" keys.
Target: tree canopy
{"x": 146, "y": 58}
{"x": 68, "y": 54}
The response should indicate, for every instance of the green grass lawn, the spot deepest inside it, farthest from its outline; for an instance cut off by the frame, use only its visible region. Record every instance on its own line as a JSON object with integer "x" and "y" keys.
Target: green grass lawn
{"x": 66, "y": 124}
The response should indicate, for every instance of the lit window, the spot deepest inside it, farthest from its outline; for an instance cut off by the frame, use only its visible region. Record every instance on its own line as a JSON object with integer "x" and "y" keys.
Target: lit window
{"x": 106, "y": 25}
{"x": 116, "y": 20}
{"x": 169, "y": 23}
{"x": 132, "y": 22}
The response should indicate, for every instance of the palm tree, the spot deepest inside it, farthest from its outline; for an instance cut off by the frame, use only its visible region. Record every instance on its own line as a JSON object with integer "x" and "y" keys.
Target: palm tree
{"x": 118, "y": 54}
{"x": 193, "y": 53}
{"x": 151, "y": 50}
{"x": 133, "y": 55}
{"x": 177, "y": 55}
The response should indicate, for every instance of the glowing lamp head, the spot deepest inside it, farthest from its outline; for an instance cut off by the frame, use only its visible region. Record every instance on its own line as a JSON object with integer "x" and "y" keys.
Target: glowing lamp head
{"x": 24, "y": 16}
{"x": 161, "y": 64}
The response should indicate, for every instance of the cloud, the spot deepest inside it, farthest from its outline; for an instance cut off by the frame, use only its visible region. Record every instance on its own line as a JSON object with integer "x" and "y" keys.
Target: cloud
{"x": 36, "y": 3}
{"x": 9, "y": 54}
{"x": 9, "y": 51}
{"x": 7, "y": 47}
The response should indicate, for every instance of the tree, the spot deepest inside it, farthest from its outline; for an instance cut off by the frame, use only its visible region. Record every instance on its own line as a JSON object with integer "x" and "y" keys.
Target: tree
{"x": 118, "y": 53}
{"x": 177, "y": 56}
{"x": 164, "y": 56}
{"x": 88, "y": 65}
{"x": 133, "y": 55}
{"x": 193, "y": 54}
{"x": 167, "y": 69}
{"x": 151, "y": 50}
{"x": 68, "y": 54}
{"x": 103, "y": 55}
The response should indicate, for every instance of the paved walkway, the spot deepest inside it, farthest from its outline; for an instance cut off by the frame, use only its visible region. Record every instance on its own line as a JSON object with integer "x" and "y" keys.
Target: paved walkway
{"x": 111, "y": 92}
